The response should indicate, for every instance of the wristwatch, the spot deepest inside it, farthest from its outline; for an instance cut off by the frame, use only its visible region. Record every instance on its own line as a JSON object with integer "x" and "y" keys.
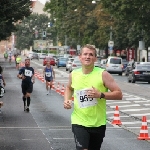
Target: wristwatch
{"x": 102, "y": 95}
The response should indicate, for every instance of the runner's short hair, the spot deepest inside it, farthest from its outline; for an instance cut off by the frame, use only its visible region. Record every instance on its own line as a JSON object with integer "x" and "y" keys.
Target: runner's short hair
{"x": 27, "y": 59}
{"x": 91, "y": 47}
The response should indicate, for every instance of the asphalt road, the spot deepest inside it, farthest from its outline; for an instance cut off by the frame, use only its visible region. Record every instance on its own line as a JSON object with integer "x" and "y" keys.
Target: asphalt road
{"x": 47, "y": 125}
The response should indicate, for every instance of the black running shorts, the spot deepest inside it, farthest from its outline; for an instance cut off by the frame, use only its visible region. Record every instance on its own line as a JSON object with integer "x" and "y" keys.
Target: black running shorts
{"x": 49, "y": 79}
{"x": 27, "y": 88}
{"x": 89, "y": 138}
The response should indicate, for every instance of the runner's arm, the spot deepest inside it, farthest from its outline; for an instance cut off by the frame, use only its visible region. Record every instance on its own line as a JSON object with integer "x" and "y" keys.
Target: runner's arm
{"x": 44, "y": 71}
{"x": 20, "y": 74}
{"x": 3, "y": 81}
{"x": 53, "y": 72}
{"x": 109, "y": 82}
{"x": 68, "y": 90}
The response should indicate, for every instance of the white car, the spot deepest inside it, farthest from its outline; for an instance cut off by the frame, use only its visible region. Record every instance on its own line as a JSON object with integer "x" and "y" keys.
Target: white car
{"x": 30, "y": 55}
{"x": 114, "y": 65}
{"x": 42, "y": 55}
{"x": 75, "y": 64}
{"x": 102, "y": 63}
{"x": 69, "y": 62}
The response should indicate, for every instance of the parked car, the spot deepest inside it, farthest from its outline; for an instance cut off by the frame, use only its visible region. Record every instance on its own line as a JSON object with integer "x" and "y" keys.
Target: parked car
{"x": 30, "y": 55}
{"x": 42, "y": 55}
{"x": 35, "y": 56}
{"x": 114, "y": 65}
{"x": 141, "y": 72}
{"x": 130, "y": 66}
{"x": 75, "y": 64}
{"x": 62, "y": 62}
{"x": 102, "y": 63}
{"x": 97, "y": 63}
{"x": 69, "y": 62}
{"x": 52, "y": 61}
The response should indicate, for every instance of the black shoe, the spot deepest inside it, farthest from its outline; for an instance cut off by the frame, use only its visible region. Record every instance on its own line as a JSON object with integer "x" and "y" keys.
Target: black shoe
{"x": 24, "y": 108}
{"x": 27, "y": 109}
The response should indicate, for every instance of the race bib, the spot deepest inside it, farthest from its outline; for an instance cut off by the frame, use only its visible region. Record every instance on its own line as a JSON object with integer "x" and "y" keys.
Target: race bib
{"x": 83, "y": 99}
{"x": 28, "y": 73}
{"x": 48, "y": 74}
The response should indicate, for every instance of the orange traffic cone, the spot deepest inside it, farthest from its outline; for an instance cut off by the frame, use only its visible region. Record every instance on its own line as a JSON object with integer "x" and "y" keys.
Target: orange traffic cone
{"x": 144, "y": 130}
{"x": 57, "y": 89}
{"x": 62, "y": 90}
{"x": 43, "y": 80}
{"x": 116, "y": 120}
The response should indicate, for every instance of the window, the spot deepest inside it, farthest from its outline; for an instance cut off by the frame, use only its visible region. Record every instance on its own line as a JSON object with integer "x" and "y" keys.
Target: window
{"x": 115, "y": 61}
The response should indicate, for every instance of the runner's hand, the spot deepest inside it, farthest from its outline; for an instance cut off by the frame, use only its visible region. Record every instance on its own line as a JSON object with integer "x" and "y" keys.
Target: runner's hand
{"x": 4, "y": 83}
{"x": 23, "y": 77}
{"x": 67, "y": 104}
{"x": 93, "y": 93}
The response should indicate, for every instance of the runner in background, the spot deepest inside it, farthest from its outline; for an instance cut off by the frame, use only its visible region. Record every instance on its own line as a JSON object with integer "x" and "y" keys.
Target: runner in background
{"x": 6, "y": 56}
{"x": 10, "y": 57}
{"x": 18, "y": 61}
{"x": 49, "y": 74}
{"x": 2, "y": 85}
{"x": 27, "y": 75}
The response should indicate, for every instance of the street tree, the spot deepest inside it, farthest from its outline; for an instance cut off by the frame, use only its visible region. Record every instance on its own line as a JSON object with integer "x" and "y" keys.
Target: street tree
{"x": 11, "y": 12}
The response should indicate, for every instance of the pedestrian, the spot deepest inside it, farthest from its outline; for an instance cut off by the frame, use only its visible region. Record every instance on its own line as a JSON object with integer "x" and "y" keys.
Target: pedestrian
{"x": 90, "y": 86}
{"x": 27, "y": 75}
{"x": 49, "y": 75}
{"x": 2, "y": 85}
{"x": 6, "y": 56}
{"x": 18, "y": 61}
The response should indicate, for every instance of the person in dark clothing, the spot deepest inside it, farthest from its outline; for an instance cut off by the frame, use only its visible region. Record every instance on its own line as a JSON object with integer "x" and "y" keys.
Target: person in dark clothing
{"x": 27, "y": 75}
{"x": 2, "y": 84}
{"x": 143, "y": 59}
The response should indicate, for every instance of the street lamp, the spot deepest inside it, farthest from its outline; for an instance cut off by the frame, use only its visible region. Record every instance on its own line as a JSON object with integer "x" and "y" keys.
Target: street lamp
{"x": 94, "y": 2}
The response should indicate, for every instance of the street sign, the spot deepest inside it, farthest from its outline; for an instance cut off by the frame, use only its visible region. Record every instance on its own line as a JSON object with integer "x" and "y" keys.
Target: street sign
{"x": 44, "y": 33}
{"x": 110, "y": 43}
{"x": 78, "y": 47}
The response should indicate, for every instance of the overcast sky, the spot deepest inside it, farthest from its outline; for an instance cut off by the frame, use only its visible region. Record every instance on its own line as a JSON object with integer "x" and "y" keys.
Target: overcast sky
{"x": 42, "y": 1}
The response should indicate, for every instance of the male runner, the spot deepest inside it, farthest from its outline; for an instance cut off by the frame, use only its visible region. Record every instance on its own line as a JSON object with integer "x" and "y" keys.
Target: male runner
{"x": 27, "y": 75}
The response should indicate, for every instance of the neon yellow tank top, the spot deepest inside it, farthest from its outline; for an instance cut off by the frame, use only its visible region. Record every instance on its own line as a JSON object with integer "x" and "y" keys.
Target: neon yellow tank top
{"x": 18, "y": 59}
{"x": 92, "y": 116}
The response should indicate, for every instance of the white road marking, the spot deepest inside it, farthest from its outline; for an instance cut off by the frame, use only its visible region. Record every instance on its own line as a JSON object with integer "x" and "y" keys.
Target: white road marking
{"x": 125, "y": 106}
{"x": 138, "y": 109}
{"x": 146, "y": 101}
{"x": 128, "y": 123}
{"x": 133, "y": 98}
{"x": 118, "y": 102}
{"x": 144, "y": 114}
{"x": 110, "y": 112}
{"x": 120, "y": 117}
{"x": 146, "y": 104}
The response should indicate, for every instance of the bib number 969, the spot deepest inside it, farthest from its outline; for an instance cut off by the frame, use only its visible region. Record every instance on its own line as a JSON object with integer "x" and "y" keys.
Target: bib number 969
{"x": 85, "y": 98}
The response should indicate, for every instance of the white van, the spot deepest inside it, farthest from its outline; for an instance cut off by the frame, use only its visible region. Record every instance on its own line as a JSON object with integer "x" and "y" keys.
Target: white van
{"x": 114, "y": 65}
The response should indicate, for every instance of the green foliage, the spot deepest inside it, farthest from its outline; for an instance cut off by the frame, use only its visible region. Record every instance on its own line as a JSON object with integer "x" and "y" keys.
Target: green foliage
{"x": 11, "y": 11}
{"x": 90, "y": 23}
{"x": 31, "y": 28}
